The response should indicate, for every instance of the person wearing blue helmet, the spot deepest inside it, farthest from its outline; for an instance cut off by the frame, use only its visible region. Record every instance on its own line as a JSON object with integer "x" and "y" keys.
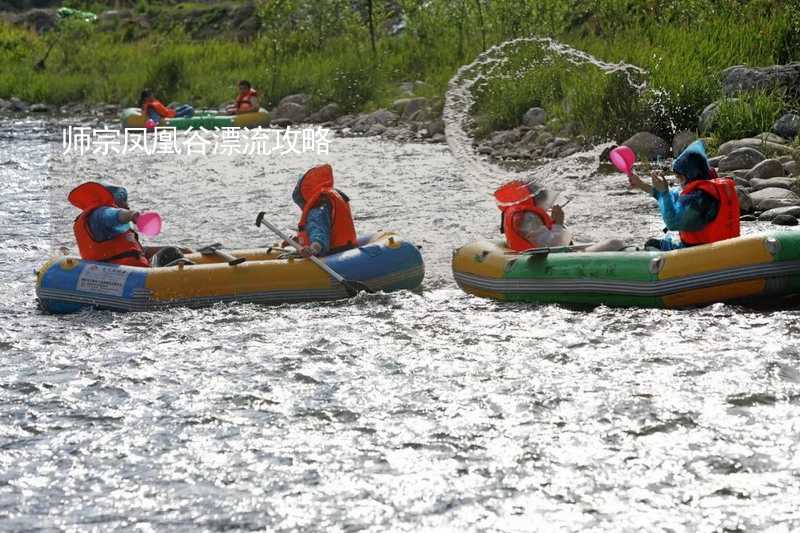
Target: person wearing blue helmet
{"x": 703, "y": 209}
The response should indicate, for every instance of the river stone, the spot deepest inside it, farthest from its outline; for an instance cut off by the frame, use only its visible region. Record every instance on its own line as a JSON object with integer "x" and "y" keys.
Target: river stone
{"x": 792, "y": 210}
{"x": 714, "y": 161}
{"x": 649, "y": 146}
{"x": 422, "y": 115}
{"x": 740, "y": 78}
{"x": 741, "y": 182}
{"x": 769, "y": 168}
{"x": 768, "y": 148}
{"x": 435, "y": 127}
{"x": 748, "y": 218}
{"x": 681, "y": 140}
{"x": 375, "y": 130}
{"x": 771, "y": 138}
{"x": 18, "y": 105}
{"x": 792, "y": 168}
{"x": 745, "y": 201}
{"x": 301, "y": 99}
{"x": 788, "y": 126}
{"x": 535, "y": 116}
{"x": 782, "y": 183}
{"x": 40, "y": 108}
{"x": 289, "y": 111}
{"x": 784, "y": 220}
{"x": 709, "y": 114}
{"x": 773, "y": 197}
{"x": 280, "y": 122}
{"x": 405, "y": 107}
{"x": 741, "y": 158}
{"x": 504, "y": 137}
{"x": 327, "y": 113}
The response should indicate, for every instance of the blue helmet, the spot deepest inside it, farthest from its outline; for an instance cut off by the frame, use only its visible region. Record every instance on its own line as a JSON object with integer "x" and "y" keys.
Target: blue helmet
{"x": 693, "y": 162}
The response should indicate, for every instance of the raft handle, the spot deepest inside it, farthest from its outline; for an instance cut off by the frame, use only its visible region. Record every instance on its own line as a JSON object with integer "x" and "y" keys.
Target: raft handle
{"x": 656, "y": 265}
{"x": 772, "y": 245}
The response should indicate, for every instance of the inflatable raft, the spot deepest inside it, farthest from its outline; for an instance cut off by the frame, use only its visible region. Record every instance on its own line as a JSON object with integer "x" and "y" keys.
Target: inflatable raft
{"x": 752, "y": 270}
{"x": 133, "y": 118}
{"x": 383, "y": 262}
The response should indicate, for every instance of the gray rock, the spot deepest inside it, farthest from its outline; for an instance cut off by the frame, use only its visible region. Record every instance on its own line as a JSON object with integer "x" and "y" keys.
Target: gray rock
{"x": 772, "y": 213}
{"x": 769, "y": 168}
{"x": 792, "y": 168}
{"x": 535, "y": 116}
{"x": 505, "y": 137}
{"x": 300, "y": 99}
{"x": 649, "y": 146}
{"x": 405, "y": 107}
{"x": 747, "y": 218}
{"x": 714, "y": 161}
{"x": 40, "y": 108}
{"x": 345, "y": 121}
{"x": 741, "y": 158}
{"x": 745, "y": 201}
{"x": 291, "y": 111}
{"x": 740, "y": 78}
{"x": 741, "y": 173}
{"x": 422, "y": 115}
{"x": 438, "y": 138}
{"x": 771, "y": 138}
{"x": 435, "y": 127}
{"x": 785, "y": 159}
{"x": 782, "y": 183}
{"x": 785, "y": 220}
{"x": 681, "y": 140}
{"x": 375, "y": 130}
{"x": 280, "y": 122}
{"x": 327, "y": 113}
{"x": 709, "y": 115}
{"x": 382, "y": 116}
{"x": 788, "y": 126}
{"x": 741, "y": 182}
{"x": 17, "y": 105}
{"x": 773, "y": 197}
{"x": 764, "y": 147}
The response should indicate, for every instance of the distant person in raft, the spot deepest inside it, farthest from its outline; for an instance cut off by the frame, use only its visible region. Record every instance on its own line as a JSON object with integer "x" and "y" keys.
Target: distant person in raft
{"x": 154, "y": 110}
{"x": 704, "y": 209}
{"x": 526, "y": 223}
{"x": 326, "y": 223}
{"x": 103, "y": 229}
{"x": 246, "y": 101}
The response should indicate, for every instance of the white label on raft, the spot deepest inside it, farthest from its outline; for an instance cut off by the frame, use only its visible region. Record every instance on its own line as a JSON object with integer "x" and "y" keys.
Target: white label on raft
{"x": 102, "y": 279}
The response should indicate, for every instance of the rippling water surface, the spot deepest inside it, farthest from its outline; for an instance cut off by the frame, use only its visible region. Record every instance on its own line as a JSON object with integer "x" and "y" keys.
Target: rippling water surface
{"x": 402, "y": 412}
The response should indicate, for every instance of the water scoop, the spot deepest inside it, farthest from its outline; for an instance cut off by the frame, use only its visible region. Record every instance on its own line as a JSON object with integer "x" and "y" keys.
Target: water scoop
{"x": 623, "y": 158}
{"x": 148, "y": 223}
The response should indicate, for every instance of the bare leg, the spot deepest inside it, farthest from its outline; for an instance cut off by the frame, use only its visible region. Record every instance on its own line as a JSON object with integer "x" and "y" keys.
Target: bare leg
{"x": 611, "y": 245}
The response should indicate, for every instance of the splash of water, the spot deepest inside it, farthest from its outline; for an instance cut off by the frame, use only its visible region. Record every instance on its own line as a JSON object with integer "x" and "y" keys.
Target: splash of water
{"x": 481, "y": 173}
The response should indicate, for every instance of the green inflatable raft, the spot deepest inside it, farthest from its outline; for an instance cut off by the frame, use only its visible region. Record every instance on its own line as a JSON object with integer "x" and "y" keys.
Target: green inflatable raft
{"x": 133, "y": 118}
{"x": 753, "y": 269}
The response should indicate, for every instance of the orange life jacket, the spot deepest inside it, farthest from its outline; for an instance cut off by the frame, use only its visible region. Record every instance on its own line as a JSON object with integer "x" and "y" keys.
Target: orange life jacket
{"x": 315, "y": 185}
{"x": 514, "y": 198}
{"x": 246, "y": 99}
{"x": 726, "y": 224}
{"x": 124, "y": 249}
{"x": 160, "y": 108}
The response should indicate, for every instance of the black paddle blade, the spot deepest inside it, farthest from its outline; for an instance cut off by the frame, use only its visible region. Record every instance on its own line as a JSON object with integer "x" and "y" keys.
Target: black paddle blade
{"x": 260, "y": 218}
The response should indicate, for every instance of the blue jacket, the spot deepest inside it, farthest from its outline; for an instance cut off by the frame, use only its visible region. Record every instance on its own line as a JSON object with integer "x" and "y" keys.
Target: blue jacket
{"x": 104, "y": 224}
{"x": 684, "y": 212}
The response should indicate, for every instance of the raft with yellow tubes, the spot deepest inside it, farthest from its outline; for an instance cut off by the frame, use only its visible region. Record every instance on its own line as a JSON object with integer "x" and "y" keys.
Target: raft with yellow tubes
{"x": 757, "y": 269}
{"x": 133, "y": 118}
{"x": 382, "y": 262}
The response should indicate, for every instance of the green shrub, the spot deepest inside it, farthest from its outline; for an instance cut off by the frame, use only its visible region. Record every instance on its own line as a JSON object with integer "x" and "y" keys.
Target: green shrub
{"x": 747, "y": 115}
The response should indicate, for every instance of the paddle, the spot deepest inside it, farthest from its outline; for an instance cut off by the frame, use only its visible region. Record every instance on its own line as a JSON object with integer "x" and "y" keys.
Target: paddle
{"x": 352, "y": 287}
{"x": 545, "y": 250}
{"x": 214, "y": 249}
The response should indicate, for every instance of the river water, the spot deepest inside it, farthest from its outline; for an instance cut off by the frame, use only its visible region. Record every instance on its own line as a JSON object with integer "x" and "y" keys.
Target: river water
{"x": 430, "y": 411}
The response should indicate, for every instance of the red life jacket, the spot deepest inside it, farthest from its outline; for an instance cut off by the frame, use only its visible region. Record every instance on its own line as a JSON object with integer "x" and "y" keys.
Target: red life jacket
{"x": 161, "y": 109}
{"x": 246, "y": 99}
{"x": 726, "y": 224}
{"x": 315, "y": 185}
{"x": 124, "y": 249}
{"x": 514, "y": 198}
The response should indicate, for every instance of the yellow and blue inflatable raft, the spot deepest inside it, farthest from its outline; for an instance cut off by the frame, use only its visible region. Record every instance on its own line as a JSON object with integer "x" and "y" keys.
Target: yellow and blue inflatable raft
{"x": 754, "y": 269}
{"x": 383, "y": 262}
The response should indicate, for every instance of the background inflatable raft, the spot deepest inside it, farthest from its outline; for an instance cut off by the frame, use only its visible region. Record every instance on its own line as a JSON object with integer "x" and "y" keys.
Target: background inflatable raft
{"x": 384, "y": 262}
{"x": 751, "y": 269}
{"x": 133, "y": 118}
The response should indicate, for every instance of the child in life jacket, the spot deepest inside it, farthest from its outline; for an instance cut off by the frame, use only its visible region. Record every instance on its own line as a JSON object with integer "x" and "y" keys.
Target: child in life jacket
{"x": 103, "y": 229}
{"x": 326, "y": 223}
{"x": 703, "y": 209}
{"x": 246, "y": 101}
{"x": 154, "y": 110}
{"x": 526, "y": 223}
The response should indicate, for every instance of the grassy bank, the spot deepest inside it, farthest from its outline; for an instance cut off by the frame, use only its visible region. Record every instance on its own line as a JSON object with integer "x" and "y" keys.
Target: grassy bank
{"x": 326, "y": 49}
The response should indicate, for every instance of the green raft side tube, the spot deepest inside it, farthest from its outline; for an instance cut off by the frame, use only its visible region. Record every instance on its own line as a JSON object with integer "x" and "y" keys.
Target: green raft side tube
{"x": 132, "y": 118}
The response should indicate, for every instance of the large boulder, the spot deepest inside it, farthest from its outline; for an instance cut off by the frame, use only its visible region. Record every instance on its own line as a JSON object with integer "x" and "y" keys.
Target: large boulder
{"x": 765, "y": 147}
{"x": 505, "y": 137}
{"x": 290, "y": 111}
{"x": 383, "y": 117}
{"x": 769, "y": 168}
{"x": 740, "y": 78}
{"x": 648, "y": 146}
{"x": 788, "y": 126}
{"x": 782, "y": 183}
{"x": 741, "y": 158}
{"x": 767, "y": 216}
{"x": 792, "y": 168}
{"x": 709, "y": 115}
{"x": 681, "y": 140}
{"x": 745, "y": 202}
{"x": 771, "y": 138}
{"x": 785, "y": 220}
{"x": 535, "y": 116}
{"x": 328, "y": 113}
{"x": 773, "y": 197}
{"x": 405, "y": 107}
{"x": 299, "y": 99}
{"x": 17, "y": 105}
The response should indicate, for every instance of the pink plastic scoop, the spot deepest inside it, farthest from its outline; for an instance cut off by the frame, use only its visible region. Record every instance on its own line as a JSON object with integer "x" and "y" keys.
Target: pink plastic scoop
{"x": 623, "y": 158}
{"x": 149, "y": 223}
